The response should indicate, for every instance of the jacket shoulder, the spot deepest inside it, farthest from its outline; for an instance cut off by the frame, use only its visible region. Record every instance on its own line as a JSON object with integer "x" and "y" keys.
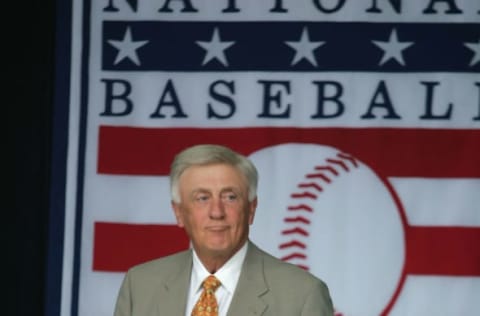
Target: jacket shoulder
{"x": 161, "y": 266}
{"x": 281, "y": 271}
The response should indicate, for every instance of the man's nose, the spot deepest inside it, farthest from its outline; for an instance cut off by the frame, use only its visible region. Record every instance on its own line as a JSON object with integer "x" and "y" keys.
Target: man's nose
{"x": 217, "y": 211}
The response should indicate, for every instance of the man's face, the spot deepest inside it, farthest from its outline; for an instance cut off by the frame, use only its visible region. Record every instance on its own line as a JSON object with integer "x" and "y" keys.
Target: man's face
{"x": 214, "y": 209}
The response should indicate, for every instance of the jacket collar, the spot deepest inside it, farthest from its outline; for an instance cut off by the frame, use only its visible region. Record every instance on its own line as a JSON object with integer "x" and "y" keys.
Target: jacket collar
{"x": 247, "y": 299}
{"x": 175, "y": 288}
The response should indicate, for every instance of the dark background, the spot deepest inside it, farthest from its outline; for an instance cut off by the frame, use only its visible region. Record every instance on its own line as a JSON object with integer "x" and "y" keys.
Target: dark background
{"x": 30, "y": 46}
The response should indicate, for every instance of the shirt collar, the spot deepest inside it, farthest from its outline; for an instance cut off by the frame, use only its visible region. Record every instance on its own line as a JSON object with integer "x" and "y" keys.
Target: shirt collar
{"x": 228, "y": 274}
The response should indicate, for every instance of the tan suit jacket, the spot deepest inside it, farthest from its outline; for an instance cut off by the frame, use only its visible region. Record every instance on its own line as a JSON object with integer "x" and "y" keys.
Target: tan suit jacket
{"x": 267, "y": 286}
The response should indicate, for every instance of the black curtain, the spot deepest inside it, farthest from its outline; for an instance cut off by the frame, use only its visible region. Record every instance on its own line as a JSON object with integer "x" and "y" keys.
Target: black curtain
{"x": 30, "y": 76}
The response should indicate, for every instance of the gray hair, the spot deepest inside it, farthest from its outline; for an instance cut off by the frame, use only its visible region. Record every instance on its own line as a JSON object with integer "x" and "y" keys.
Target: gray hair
{"x": 207, "y": 154}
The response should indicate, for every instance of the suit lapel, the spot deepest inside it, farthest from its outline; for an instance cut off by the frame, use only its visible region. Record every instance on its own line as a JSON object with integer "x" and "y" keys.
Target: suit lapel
{"x": 174, "y": 291}
{"x": 251, "y": 286}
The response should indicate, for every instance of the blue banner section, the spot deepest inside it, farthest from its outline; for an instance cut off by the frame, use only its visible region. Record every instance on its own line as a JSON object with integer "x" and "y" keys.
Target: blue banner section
{"x": 272, "y": 46}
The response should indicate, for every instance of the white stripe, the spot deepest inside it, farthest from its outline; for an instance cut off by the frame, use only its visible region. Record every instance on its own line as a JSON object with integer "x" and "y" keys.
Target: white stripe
{"x": 439, "y": 202}
{"x": 145, "y": 199}
{"x": 132, "y": 199}
{"x": 98, "y": 293}
{"x": 441, "y": 296}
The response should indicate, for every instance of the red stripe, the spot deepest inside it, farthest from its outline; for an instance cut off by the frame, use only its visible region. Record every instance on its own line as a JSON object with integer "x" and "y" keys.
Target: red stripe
{"x": 392, "y": 152}
{"x": 443, "y": 251}
{"x": 118, "y": 246}
{"x": 429, "y": 250}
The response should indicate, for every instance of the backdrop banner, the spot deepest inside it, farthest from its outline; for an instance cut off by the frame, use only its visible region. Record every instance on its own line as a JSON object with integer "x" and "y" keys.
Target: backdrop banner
{"x": 363, "y": 118}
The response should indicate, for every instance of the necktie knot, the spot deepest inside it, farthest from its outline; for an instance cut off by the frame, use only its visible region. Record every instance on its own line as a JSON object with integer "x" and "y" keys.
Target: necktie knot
{"x": 211, "y": 283}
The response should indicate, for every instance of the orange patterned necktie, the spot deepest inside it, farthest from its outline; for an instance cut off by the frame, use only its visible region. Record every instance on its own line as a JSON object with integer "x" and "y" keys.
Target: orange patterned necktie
{"x": 207, "y": 303}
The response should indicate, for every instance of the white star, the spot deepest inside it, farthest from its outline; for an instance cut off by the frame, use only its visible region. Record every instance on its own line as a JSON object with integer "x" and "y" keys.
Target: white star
{"x": 392, "y": 49}
{"x": 475, "y": 47}
{"x": 304, "y": 48}
{"x": 215, "y": 48}
{"x": 127, "y": 48}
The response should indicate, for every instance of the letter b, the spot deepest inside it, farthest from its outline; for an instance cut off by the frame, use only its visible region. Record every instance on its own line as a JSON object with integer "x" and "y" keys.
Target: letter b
{"x": 123, "y": 89}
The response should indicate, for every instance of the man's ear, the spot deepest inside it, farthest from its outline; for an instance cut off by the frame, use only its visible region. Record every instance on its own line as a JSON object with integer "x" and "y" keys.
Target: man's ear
{"x": 178, "y": 213}
{"x": 251, "y": 211}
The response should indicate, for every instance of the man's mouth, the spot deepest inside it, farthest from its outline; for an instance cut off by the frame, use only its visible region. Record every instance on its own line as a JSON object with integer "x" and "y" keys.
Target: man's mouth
{"x": 217, "y": 228}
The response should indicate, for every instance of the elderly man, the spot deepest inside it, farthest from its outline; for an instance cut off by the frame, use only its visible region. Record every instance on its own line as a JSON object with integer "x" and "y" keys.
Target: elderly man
{"x": 213, "y": 192}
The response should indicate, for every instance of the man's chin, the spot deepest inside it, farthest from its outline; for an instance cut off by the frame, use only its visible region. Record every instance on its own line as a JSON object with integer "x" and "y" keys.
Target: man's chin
{"x": 219, "y": 250}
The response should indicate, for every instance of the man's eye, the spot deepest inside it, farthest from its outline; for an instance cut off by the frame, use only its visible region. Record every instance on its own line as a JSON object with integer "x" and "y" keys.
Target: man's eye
{"x": 202, "y": 198}
{"x": 229, "y": 197}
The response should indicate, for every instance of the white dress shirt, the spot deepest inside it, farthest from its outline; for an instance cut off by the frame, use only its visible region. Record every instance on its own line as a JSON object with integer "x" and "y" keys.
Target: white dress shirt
{"x": 228, "y": 275}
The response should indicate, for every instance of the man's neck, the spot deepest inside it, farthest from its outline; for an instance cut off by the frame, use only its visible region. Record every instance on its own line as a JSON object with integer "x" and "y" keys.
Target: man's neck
{"x": 214, "y": 261}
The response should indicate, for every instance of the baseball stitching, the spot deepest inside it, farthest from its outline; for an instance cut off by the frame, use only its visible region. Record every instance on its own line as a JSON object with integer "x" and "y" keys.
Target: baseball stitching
{"x": 300, "y": 210}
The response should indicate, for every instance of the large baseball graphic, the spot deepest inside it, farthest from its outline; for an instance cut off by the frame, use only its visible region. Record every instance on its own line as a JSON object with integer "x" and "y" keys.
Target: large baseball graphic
{"x": 327, "y": 212}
